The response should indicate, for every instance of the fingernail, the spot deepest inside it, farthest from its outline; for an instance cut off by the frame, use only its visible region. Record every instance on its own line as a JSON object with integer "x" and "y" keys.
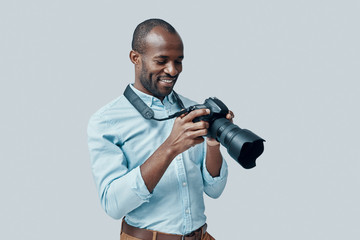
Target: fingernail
{"x": 208, "y": 111}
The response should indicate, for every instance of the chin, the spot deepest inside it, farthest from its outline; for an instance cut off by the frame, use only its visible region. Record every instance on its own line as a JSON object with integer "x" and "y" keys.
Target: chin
{"x": 164, "y": 91}
{"x": 167, "y": 91}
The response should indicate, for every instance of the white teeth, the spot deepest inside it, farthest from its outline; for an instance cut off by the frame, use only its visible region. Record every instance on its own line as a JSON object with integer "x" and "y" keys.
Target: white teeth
{"x": 167, "y": 81}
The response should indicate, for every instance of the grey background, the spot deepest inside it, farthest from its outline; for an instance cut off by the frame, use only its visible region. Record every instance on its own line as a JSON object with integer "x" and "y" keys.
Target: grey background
{"x": 288, "y": 69}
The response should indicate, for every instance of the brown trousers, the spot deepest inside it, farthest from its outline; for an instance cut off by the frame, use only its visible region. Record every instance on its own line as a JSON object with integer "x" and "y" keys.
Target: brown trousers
{"x": 124, "y": 236}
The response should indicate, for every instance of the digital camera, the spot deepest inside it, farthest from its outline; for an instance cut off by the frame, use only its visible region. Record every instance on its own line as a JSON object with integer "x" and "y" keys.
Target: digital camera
{"x": 243, "y": 145}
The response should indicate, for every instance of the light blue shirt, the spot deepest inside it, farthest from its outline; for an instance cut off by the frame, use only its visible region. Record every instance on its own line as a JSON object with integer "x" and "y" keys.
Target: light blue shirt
{"x": 120, "y": 140}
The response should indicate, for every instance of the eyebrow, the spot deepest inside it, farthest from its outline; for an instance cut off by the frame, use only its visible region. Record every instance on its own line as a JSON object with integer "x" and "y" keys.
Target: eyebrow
{"x": 166, "y": 57}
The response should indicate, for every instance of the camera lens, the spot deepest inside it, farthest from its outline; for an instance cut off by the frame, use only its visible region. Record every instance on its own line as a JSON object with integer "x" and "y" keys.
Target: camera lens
{"x": 242, "y": 145}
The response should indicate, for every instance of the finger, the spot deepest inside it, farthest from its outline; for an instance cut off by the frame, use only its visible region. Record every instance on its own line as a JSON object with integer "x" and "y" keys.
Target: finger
{"x": 197, "y": 133}
{"x": 196, "y": 113}
{"x": 197, "y": 126}
{"x": 230, "y": 115}
{"x": 182, "y": 115}
{"x": 180, "y": 118}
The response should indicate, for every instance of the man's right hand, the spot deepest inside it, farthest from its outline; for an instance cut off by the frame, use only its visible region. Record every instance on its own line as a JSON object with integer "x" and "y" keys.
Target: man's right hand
{"x": 186, "y": 133}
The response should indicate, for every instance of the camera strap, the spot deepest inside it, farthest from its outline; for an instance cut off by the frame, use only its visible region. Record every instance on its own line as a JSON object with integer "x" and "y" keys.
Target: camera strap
{"x": 145, "y": 110}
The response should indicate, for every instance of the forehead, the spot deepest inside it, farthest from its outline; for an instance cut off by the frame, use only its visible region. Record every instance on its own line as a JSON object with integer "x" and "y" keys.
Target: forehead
{"x": 161, "y": 42}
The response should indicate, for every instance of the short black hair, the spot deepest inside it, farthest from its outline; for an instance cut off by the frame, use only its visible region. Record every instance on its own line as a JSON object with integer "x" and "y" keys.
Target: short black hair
{"x": 143, "y": 29}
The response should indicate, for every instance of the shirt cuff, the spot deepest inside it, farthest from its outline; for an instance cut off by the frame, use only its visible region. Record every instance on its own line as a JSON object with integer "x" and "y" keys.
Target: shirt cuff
{"x": 138, "y": 185}
{"x": 212, "y": 180}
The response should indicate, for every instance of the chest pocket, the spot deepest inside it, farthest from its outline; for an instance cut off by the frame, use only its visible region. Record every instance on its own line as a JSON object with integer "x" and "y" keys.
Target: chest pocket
{"x": 195, "y": 154}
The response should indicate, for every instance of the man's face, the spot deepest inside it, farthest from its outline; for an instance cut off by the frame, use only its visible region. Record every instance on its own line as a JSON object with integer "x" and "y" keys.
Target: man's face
{"x": 161, "y": 63}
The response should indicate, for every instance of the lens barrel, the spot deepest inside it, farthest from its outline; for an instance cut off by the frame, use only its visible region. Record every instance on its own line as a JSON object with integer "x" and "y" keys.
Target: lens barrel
{"x": 242, "y": 145}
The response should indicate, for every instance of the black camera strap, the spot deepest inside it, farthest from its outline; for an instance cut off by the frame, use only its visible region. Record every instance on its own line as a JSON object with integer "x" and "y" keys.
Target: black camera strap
{"x": 145, "y": 110}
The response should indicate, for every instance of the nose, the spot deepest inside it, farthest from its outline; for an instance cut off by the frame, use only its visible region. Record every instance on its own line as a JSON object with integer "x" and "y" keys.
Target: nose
{"x": 171, "y": 69}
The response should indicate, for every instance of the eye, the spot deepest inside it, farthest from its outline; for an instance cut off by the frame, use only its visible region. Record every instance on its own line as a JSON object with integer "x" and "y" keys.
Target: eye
{"x": 160, "y": 62}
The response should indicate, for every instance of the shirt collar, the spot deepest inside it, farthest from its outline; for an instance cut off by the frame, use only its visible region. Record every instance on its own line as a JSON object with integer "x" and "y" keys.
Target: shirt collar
{"x": 151, "y": 100}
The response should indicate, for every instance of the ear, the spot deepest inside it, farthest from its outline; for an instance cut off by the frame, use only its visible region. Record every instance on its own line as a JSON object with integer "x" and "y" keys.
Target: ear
{"x": 134, "y": 57}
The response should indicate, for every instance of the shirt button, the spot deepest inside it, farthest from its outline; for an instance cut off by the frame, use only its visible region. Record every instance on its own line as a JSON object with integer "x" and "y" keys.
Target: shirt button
{"x": 184, "y": 184}
{"x": 187, "y": 211}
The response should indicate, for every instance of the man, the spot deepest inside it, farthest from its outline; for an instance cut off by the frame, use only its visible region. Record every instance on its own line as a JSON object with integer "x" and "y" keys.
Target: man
{"x": 155, "y": 172}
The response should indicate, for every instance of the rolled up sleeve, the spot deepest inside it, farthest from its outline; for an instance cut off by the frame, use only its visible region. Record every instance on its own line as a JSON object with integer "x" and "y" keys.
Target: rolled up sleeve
{"x": 214, "y": 186}
{"x": 120, "y": 189}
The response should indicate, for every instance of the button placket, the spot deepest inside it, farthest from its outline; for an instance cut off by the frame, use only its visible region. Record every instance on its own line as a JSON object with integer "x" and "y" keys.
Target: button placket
{"x": 184, "y": 192}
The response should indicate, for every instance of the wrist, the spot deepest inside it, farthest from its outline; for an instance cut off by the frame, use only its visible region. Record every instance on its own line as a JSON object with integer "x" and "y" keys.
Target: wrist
{"x": 169, "y": 150}
{"x": 212, "y": 143}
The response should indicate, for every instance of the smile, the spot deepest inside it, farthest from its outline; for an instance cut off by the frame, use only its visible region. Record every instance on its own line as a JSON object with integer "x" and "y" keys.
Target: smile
{"x": 167, "y": 80}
